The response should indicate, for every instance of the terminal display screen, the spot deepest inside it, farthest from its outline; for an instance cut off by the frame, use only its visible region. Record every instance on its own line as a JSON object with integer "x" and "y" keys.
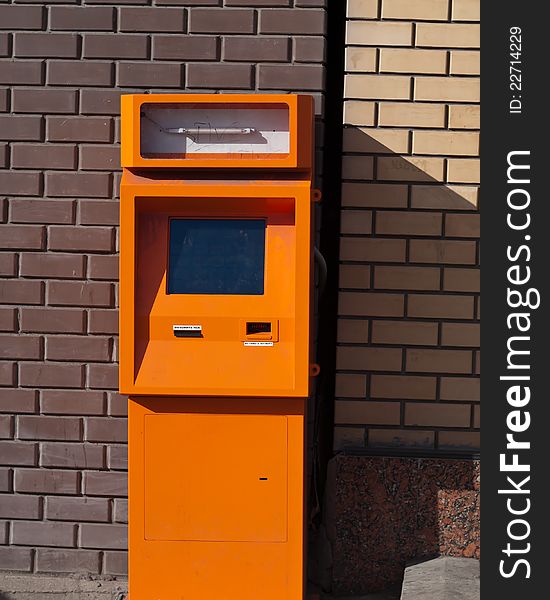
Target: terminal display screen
{"x": 216, "y": 256}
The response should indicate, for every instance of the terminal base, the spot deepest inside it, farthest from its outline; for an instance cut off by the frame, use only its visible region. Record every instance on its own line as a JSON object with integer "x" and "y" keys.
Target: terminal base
{"x": 216, "y": 498}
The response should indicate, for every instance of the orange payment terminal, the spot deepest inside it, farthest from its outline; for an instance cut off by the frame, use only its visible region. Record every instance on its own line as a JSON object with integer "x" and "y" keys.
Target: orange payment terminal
{"x": 215, "y": 334}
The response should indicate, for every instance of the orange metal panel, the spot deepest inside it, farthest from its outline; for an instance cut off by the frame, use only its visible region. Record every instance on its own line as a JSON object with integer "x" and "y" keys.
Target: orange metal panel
{"x": 153, "y": 361}
{"x": 237, "y": 474}
{"x": 299, "y": 157}
{"x": 184, "y": 455}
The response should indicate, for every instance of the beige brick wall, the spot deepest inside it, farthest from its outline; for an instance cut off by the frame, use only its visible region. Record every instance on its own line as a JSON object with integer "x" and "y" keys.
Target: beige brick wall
{"x": 408, "y": 328}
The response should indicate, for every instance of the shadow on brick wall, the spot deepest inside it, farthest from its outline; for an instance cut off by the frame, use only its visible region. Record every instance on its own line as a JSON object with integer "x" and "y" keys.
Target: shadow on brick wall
{"x": 408, "y": 298}
{"x": 381, "y": 512}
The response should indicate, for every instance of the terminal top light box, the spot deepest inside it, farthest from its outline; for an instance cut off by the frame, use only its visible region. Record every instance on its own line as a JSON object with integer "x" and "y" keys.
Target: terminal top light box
{"x": 217, "y": 131}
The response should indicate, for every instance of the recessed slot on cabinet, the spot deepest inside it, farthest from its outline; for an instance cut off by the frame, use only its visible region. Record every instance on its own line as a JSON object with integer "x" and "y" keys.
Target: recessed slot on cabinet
{"x": 254, "y": 327}
{"x": 266, "y": 330}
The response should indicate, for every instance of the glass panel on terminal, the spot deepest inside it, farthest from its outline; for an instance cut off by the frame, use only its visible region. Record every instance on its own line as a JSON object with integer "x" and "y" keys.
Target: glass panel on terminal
{"x": 217, "y": 256}
{"x": 172, "y": 130}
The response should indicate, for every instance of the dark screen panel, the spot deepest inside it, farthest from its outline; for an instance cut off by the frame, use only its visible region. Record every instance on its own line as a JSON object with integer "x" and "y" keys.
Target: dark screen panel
{"x": 216, "y": 256}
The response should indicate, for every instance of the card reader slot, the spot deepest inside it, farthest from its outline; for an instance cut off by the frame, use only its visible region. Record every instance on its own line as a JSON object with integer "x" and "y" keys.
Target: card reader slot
{"x": 256, "y": 327}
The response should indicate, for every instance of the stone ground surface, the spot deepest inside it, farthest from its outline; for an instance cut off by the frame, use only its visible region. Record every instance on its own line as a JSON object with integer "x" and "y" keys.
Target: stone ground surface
{"x": 442, "y": 578}
{"x": 43, "y": 587}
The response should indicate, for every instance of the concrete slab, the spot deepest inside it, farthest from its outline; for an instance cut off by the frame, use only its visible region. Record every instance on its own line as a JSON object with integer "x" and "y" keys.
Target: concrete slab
{"x": 442, "y": 578}
{"x": 50, "y": 587}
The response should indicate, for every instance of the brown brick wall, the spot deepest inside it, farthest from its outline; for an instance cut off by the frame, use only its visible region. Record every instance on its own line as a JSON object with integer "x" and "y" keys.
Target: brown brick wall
{"x": 62, "y": 69}
{"x": 408, "y": 331}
